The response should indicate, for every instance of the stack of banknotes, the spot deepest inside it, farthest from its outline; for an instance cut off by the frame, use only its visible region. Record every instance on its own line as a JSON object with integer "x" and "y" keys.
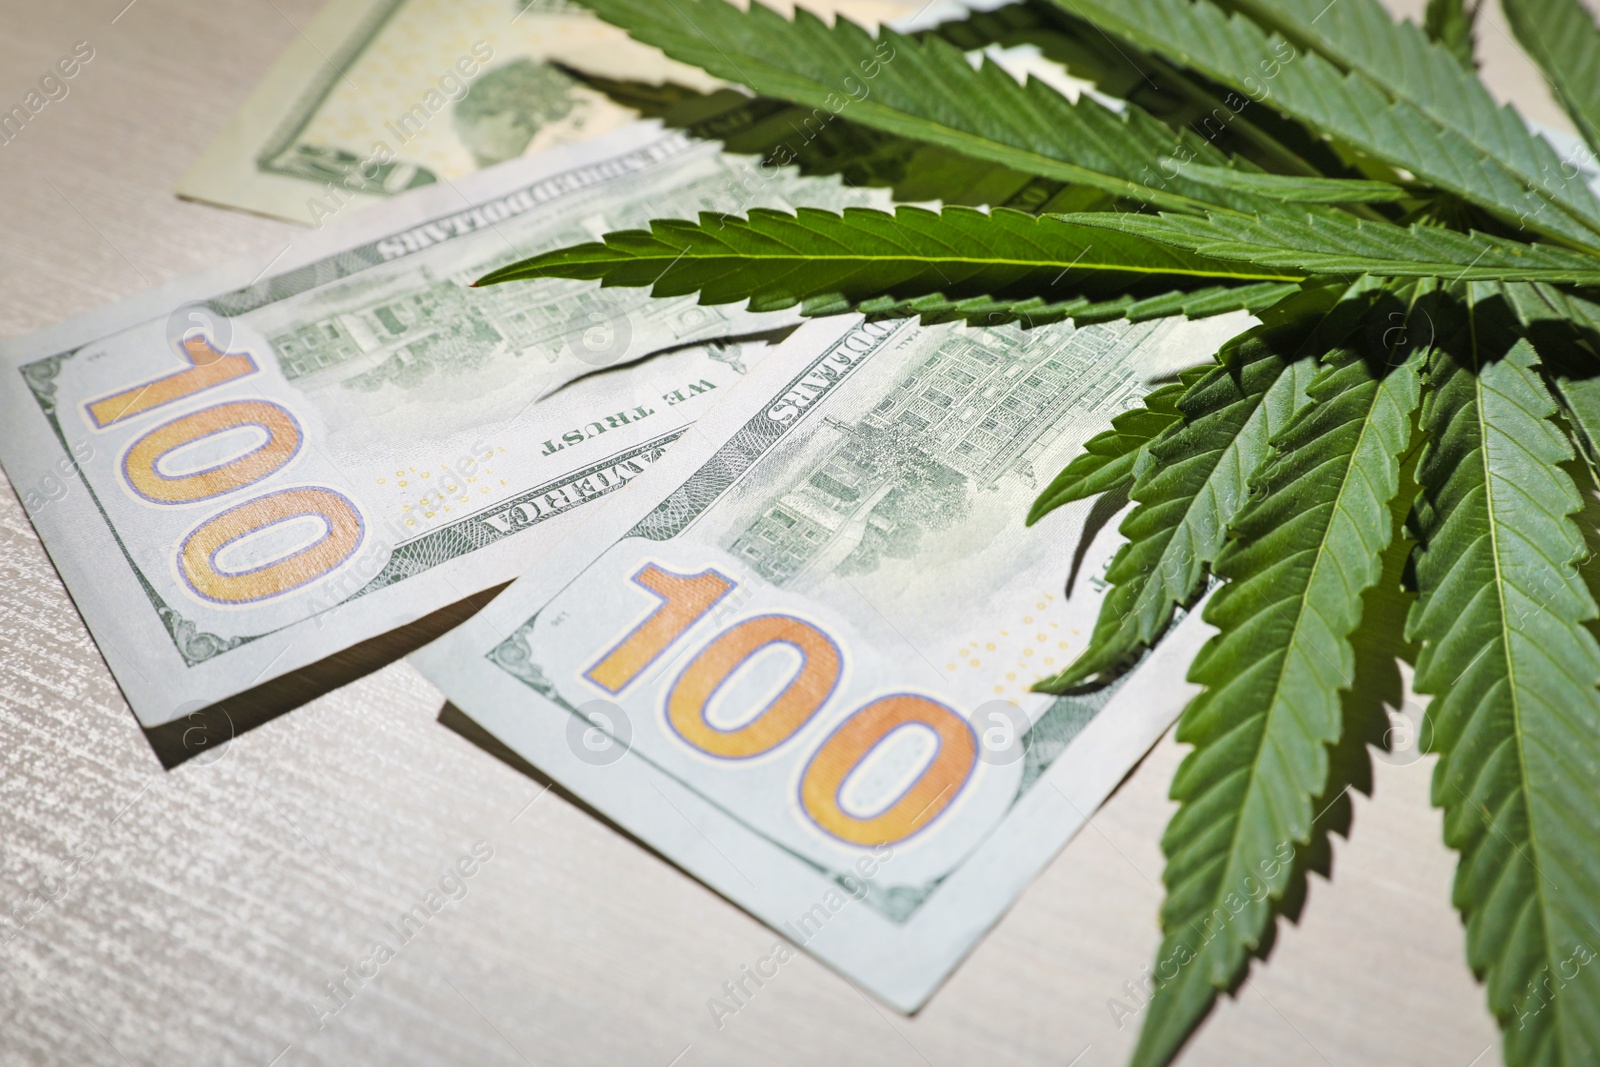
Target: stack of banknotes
{"x": 772, "y": 607}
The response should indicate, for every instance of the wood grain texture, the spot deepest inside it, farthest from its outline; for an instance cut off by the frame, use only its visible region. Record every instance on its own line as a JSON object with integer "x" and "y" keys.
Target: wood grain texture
{"x": 222, "y": 897}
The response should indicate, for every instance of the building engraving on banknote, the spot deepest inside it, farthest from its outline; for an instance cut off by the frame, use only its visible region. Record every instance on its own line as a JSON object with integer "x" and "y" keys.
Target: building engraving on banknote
{"x": 441, "y": 326}
{"x": 977, "y": 409}
{"x": 344, "y": 322}
{"x": 983, "y": 405}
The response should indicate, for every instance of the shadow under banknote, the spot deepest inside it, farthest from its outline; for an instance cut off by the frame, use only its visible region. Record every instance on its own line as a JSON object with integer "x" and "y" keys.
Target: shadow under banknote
{"x": 454, "y": 719}
{"x": 203, "y": 731}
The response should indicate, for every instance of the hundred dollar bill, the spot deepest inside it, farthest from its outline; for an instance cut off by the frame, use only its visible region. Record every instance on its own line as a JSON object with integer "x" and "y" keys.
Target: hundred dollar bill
{"x": 795, "y": 656}
{"x": 240, "y": 474}
{"x": 379, "y": 96}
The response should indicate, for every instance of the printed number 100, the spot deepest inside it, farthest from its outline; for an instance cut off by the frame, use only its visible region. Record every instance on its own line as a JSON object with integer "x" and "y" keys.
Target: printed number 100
{"x": 198, "y": 553}
{"x": 685, "y": 598}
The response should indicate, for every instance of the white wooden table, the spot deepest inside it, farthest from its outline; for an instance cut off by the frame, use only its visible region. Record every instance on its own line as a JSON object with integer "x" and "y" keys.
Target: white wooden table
{"x": 192, "y": 916}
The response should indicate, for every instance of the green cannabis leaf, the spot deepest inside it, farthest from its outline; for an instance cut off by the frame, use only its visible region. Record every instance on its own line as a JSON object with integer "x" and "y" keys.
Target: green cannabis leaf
{"x": 1330, "y": 244}
{"x": 1441, "y": 129}
{"x": 1203, "y": 302}
{"x": 1500, "y": 615}
{"x": 1302, "y": 189}
{"x": 1305, "y": 549}
{"x": 926, "y": 90}
{"x": 832, "y": 262}
{"x": 1565, "y": 327}
{"x": 1381, "y": 469}
{"x": 1564, "y": 41}
{"x": 1450, "y": 23}
{"x": 1111, "y": 460}
{"x": 1200, "y": 479}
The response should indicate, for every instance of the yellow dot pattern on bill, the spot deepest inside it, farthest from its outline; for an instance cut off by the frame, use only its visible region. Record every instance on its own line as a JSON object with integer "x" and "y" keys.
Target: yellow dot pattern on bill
{"x": 460, "y": 484}
{"x": 1020, "y": 654}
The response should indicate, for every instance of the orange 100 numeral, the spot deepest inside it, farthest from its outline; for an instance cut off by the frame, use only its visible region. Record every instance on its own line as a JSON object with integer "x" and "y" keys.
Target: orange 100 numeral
{"x": 141, "y": 464}
{"x": 921, "y": 802}
{"x": 791, "y": 709}
{"x": 208, "y": 368}
{"x": 685, "y": 599}
{"x": 197, "y": 553}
